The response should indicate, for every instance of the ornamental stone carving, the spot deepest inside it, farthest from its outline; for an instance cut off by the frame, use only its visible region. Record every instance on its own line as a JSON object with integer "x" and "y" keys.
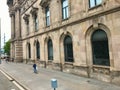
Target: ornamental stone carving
{"x": 26, "y": 17}
{"x": 44, "y": 3}
{"x": 33, "y": 11}
{"x": 9, "y": 2}
{"x": 27, "y": 4}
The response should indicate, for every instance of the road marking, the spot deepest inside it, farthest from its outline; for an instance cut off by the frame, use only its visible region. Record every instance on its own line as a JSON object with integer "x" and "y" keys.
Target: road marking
{"x": 14, "y": 82}
{"x": 6, "y": 75}
{"x": 18, "y": 85}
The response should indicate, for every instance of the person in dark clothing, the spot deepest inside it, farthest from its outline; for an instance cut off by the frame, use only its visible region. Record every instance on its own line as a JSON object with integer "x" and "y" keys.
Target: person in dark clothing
{"x": 35, "y": 68}
{"x": 7, "y": 59}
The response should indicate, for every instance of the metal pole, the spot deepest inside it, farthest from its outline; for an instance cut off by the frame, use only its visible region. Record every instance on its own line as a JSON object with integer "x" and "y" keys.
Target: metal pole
{"x": 0, "y": 40}
{"x": 4, "y": 44}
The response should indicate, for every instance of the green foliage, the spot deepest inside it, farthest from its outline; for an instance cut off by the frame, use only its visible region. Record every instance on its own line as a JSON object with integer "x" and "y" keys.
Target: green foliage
{"x": 7, "y": 47}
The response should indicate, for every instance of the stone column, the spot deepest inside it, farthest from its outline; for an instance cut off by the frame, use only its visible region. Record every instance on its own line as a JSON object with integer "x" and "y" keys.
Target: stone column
{"x": 12, "y": 15}
{"x": 12, "y": 26}
{"x": 18, "y": 31}
{"x": 18, "y": 40}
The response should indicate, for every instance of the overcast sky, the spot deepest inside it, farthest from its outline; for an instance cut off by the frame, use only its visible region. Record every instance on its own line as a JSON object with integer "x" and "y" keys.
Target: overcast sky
{"x": 5, "y": 22}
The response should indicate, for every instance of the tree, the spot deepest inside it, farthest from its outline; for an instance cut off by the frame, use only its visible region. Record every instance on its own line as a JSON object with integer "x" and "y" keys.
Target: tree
{"x": 7, "y": 47}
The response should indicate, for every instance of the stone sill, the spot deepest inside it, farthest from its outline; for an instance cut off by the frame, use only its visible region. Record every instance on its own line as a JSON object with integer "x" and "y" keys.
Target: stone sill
{"x": 100, "y": 66}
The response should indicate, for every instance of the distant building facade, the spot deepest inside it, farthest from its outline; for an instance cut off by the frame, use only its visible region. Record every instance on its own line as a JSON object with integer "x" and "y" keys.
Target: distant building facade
{"x": 75, "y": 36}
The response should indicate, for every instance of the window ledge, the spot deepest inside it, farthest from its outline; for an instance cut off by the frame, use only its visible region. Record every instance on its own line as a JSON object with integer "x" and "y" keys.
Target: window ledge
{"x": 36, "y": 30}
{"x": 65, "y": 19}
{"x": 69, "y": 63}
{"x": 100, "y": 66}
{"x": 47, "y": 26}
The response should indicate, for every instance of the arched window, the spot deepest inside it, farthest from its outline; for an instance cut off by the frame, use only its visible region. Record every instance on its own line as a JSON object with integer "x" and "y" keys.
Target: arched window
{"x": 50, "y": 50}
{"x": 68, "y": 49}
{"x": 29, "y": 51}
{"x": 100, "y": 50}
{"x": 38, "y": 50}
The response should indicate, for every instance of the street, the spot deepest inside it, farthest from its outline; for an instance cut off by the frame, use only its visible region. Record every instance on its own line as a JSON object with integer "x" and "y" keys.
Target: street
{"x": 23, "y": 73}
{"x": 5, "y": 84}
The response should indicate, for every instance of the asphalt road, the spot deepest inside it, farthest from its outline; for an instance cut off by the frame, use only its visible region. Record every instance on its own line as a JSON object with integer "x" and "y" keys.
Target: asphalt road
{"x": 5, "y": 84}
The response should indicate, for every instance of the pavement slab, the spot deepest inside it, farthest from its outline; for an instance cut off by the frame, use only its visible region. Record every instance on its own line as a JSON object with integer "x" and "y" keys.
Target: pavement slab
{"x": 24, "y": 74}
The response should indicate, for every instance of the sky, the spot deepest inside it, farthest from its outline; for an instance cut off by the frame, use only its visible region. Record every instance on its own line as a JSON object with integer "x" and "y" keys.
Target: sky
{"x": 5, "y": 22}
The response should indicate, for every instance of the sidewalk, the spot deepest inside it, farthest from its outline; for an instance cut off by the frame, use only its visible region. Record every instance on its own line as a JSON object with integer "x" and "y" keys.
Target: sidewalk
{"x": 42, "y": 81}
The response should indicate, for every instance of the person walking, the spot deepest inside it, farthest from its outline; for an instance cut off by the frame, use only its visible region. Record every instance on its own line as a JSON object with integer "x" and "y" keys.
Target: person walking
{"x": 6, "y": 59}
{"x": 35, "y": 68}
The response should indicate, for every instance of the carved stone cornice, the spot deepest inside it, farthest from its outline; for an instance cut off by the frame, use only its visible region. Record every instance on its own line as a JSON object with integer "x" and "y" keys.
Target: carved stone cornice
{"x": 33, "y": 11}
{"x": 26, "y": 5}
{"x": 17, "y": 6}
{"x": 9, "y": 2}
{"x": 45, "y": 3}
{"x": 20, "y": 1}
{"x": 12, "y": 11}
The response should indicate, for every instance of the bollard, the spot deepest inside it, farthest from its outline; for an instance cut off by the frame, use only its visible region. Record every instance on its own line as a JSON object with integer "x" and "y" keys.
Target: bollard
{"x": 54, "y": 83}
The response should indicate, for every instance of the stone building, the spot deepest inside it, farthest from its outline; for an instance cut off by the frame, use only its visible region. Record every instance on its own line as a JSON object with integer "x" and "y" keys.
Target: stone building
{"x": 75, "y": 36}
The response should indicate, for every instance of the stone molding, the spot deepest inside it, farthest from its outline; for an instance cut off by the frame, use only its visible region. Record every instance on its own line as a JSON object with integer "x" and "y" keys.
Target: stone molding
{"x": 12, "y": 13}
{"x": 26, "y": 5}
{"x": 17, "y": 7}
{"x": 20, "y": 1}
{"x": 33, "y": 11}
{"x": 26, "y": 17}
{"x": 9, "y": 2}
{"x": 45, "y": 3}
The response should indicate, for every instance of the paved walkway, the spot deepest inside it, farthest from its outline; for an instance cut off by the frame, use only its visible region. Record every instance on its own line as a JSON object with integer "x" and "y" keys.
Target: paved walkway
{"x": 42, "y": 81}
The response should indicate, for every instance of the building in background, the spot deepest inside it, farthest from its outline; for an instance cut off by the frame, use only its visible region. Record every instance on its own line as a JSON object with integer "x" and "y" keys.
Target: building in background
{"x": 75, "y": 36}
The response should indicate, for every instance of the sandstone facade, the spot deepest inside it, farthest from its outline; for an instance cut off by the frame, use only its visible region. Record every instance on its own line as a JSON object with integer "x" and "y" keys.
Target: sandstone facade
{"x": 86, "y": 29}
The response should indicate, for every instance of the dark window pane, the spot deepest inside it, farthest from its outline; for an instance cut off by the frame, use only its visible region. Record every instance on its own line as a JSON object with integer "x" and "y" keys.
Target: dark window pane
{"x": 68, "y": 49}
{"x": 29, "y": 51}
{"x": 100, "y": 48}
{"x": 50, "y": 50}
{"x": 38, "y": 50}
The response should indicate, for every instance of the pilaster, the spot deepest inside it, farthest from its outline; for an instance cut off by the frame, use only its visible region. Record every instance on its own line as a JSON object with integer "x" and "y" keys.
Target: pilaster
{"x": 12, "y": 26}
{"x": 17, "y": 24}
